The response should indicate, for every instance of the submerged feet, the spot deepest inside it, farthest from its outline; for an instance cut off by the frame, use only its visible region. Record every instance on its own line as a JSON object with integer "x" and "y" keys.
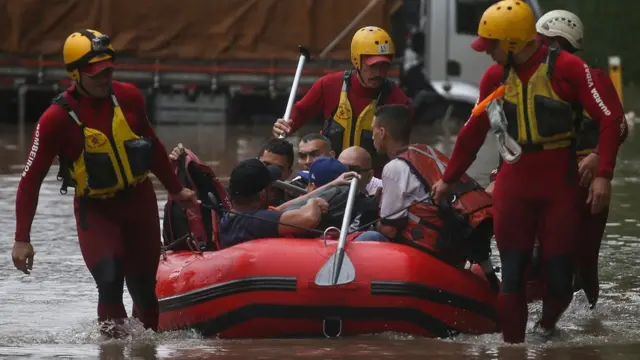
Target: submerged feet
{"x": 114, "y": 329}
{"x": 542, "y": 334}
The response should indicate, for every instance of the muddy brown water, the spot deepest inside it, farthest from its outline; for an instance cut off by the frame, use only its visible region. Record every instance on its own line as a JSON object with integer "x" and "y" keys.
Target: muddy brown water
{"x": 51, "y": 313}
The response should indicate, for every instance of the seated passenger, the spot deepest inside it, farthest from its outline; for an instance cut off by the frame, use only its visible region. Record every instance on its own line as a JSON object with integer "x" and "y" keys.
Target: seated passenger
{"x": 321, "y": 172}
{"x": 311, "y": 146}
{"x": 279, "y": 152}
{"x": 358, "y": 160}
{"x": 201, "y": 222}
{"x": 248, "y": 186}
{"x": 325, "y": 173}
{"x": 455, "y": 230}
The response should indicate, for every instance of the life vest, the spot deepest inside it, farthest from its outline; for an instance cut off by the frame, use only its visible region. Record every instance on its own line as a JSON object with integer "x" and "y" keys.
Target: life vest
{"x": 588, "y": 135}
{"x": 344, "y": 131}
{"x": 537, "y": 118}
{"x": 442, "y": 229}
{"x": 107, "y": 164}
{"x": 201, "y": 222}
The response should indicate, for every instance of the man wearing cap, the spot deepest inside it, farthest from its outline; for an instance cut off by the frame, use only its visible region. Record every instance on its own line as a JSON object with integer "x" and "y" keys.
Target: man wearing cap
{"x": 327, "y": 172}
{"x": 537, "y": 195}
{"x": 248, "y": 188}
{"x": 348, "y": 99}
{"x": 322, "y": 171}
{"x": 99, "y": 131}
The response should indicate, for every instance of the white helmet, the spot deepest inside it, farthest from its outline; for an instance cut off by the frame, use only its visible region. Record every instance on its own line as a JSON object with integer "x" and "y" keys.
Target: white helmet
{"x": 564, "y": 24}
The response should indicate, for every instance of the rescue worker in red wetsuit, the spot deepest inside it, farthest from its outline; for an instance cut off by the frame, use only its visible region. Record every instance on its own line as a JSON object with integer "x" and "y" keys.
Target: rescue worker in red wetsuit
{"x": 536, "y": 196}
{"x": 564, "y": 29}
{"x": 347, "y": 100}
{"x": 99, "y": 131}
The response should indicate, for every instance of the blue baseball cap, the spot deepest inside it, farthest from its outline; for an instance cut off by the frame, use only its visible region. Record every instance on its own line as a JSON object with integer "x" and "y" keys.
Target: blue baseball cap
{"x": 323, "y": 171}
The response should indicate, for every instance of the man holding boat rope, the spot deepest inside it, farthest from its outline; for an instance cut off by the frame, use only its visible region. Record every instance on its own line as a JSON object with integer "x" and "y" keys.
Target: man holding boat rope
{"x": 347, "y": 100}
{"x": 536, "y": 193}
{"x": 564, "y": 29}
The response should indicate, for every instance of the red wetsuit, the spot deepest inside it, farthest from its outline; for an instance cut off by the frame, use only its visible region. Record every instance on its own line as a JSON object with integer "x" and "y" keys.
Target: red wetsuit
{"x": 324, "y": 96}
{"x": 592, "y": 226}
{"x": 122, "y": 236}
{"x": 537, "y": 196}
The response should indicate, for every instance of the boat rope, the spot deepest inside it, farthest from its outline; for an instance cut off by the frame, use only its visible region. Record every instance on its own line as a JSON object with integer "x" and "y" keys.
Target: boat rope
{"x": 425, "y": 198}
{"x": 188, "y": 238}
{"x": 219, "y": 208}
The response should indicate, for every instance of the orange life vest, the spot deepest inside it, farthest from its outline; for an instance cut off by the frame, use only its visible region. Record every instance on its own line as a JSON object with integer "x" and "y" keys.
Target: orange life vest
{"x": 201, "y": 222}
{"x": 442, "y": 228}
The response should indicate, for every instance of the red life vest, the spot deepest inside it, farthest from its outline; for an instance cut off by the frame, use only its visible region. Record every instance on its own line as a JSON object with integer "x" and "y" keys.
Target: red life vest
{"x": 442, "y": 229}
{"x": 201, "y": 222}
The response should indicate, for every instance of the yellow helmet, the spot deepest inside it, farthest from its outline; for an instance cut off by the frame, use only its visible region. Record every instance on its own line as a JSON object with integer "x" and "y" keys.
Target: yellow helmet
{"x": 512, "y": 22}
{"x": 371, "y": 40}
{"x": 85, "y": 47}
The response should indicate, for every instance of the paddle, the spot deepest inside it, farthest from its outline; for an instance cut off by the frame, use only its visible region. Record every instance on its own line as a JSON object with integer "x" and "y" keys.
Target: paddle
{"x": 304, "y": 55}
{"x": 339, "y": 270}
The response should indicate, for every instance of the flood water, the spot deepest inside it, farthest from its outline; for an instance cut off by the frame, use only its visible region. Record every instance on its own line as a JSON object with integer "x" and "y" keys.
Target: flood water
{"x": 51, "y": 313}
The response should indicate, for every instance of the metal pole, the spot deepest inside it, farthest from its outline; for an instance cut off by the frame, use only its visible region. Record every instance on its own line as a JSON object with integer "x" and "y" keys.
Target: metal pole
{"x": 22, "y": 114}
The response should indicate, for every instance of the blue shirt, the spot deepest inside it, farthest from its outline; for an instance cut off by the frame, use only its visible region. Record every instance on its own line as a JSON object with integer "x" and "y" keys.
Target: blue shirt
{"x": 236, "y": 229}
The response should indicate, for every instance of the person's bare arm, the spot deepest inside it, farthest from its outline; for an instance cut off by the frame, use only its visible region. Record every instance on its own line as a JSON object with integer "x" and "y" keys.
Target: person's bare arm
{"x": 307, "y": 217}
{"x": 342, "y": 180}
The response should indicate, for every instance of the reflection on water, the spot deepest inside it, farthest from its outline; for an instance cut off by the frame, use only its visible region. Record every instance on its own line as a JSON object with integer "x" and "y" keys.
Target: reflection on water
{"x": 51, "y": 312}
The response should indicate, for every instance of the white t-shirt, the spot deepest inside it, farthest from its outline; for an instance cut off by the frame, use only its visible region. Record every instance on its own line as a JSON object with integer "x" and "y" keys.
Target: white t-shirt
{"x": 401, "y": 189}
{"x": 373, "y": 185}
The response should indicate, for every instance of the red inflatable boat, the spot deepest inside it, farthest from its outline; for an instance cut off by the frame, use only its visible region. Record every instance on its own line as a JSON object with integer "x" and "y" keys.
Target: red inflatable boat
{"x": 265, "y": 289}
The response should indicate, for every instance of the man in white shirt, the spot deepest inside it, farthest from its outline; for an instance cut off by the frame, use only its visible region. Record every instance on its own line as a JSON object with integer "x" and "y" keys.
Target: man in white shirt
{"x": 391, "y": 135}
{"x": 454, "y": 231}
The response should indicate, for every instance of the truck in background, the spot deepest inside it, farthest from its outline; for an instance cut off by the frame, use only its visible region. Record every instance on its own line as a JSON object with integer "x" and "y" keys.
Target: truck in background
{"x": 440, "y": 71}
{"x": 235, "y": 59}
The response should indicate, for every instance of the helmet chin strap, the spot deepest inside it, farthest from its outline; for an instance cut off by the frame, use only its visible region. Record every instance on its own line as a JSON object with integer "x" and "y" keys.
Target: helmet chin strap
{"x": 87, "y": 92}
{"x": 361, "y": 80}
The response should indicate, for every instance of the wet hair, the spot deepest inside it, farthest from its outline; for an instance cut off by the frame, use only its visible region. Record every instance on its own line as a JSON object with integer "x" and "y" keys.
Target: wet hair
{"x": 317, "y": 136}
{"x": 279, "y": 147}
{"x": 396, "y": 119}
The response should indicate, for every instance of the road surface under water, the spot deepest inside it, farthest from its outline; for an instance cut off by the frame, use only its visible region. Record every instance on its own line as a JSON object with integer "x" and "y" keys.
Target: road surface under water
{"x": 51, "y": 313}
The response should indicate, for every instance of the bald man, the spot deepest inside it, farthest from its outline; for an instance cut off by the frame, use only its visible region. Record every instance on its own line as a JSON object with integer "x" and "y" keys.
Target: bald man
{"x": 358, "y": 159}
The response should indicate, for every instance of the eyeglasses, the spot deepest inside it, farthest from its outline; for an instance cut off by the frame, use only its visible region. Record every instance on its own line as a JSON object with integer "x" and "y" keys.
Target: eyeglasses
{"x": 358, "y": 169}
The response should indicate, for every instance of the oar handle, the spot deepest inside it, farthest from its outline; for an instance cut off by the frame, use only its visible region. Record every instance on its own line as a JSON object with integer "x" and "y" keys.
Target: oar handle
{"x": 346, "y": 220}
{"x": 304, "y": 55}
